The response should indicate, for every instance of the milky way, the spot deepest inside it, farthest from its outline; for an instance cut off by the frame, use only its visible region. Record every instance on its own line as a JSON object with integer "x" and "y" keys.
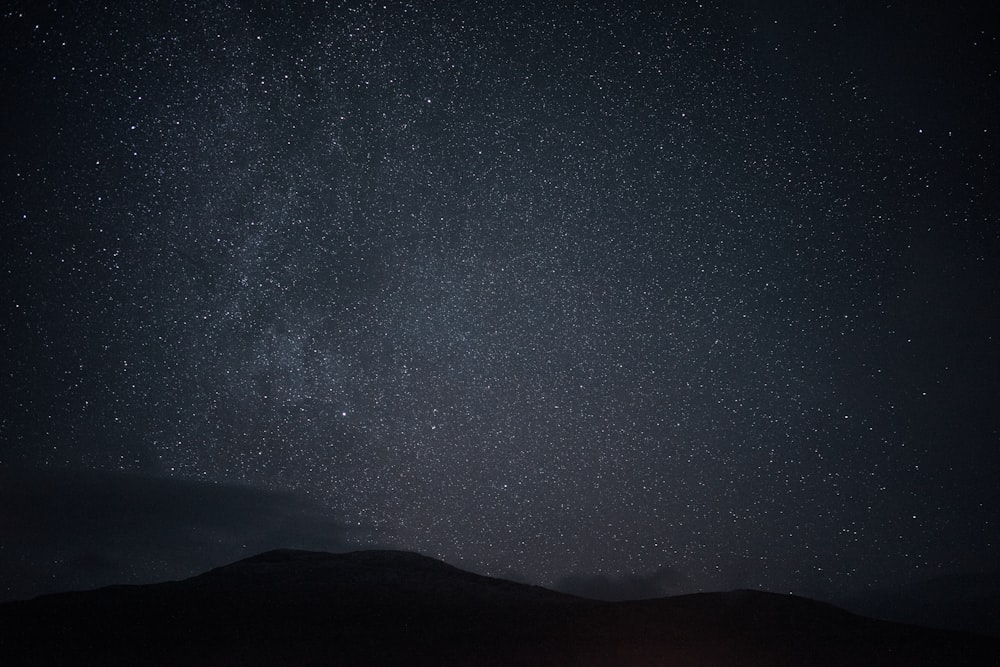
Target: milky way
{"x": 533, "y": 290}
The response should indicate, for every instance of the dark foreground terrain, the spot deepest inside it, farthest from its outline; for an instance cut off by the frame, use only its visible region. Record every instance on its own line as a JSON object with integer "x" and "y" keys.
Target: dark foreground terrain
{"x": 385, "y": 607}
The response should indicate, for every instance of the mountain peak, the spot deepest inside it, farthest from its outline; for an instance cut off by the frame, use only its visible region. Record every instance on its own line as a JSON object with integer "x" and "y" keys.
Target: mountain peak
{"x": 397, "y": 607}
{"x": 385, "y": 570}
{"x": 381, "y": 558}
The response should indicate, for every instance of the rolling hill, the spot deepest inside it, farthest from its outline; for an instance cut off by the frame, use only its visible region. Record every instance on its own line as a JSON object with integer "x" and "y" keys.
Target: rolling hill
{"x": 389, "y": 607}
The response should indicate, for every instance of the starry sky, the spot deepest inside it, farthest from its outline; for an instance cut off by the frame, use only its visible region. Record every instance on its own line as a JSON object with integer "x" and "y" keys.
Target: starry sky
{"x": 688, "y": 297}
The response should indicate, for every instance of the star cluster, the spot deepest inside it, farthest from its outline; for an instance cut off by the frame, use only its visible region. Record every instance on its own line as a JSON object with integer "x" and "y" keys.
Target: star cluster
{"x": 577, "y": 289}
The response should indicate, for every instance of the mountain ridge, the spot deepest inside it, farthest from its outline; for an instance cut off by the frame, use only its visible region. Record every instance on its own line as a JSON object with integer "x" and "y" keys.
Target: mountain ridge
{"x": 386, "y": 607}
{"x": 967, "y": 602}
{"x": 376, "y": 569}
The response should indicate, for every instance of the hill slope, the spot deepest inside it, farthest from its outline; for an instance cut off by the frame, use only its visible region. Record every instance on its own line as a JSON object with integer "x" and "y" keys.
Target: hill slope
{"x": 968, "y": 602}
{"x": 386, "y": 607}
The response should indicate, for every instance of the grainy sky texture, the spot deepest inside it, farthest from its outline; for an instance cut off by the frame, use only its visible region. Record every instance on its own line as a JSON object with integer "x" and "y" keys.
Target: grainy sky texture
{"x": 550, "y": 290}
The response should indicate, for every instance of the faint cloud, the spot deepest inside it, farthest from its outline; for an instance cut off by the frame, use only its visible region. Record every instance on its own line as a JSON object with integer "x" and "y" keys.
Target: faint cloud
{"x": 70, "y": 530}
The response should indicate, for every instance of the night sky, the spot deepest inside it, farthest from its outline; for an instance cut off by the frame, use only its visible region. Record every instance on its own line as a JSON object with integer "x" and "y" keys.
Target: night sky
{"x": 689, "y": 298}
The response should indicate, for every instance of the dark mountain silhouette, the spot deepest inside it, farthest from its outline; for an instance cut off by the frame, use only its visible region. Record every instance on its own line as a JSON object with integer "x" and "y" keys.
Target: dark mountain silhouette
{"x": 387, "y": 607}
{"x": 967, "y": 602}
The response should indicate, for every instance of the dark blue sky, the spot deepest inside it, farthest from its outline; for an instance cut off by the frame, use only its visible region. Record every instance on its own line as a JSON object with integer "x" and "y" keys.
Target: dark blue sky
{"x": 706, "y": 290}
